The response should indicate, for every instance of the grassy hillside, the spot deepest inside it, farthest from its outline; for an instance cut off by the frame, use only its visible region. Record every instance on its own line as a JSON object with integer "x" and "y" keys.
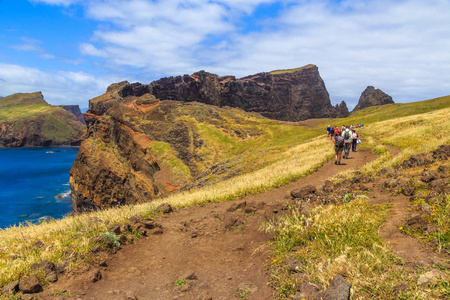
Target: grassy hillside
{"x": 375, "y": 114}
{"x": 30, "y": 121}
{"x": 283, "y": 153}
{"x": 190, "y": 144}
{"x": 21, "y": 106}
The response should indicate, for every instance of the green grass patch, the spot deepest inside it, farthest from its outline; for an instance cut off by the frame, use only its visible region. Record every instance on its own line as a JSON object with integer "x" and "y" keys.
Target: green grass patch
{"x": 341, "y": 239}
{"x": 375, "y": 114}
{"x": 16, "y": 112}
{"x": 164, "y": 153}
{"x": 291, "y": 70}
{"x": 180, "y": 282}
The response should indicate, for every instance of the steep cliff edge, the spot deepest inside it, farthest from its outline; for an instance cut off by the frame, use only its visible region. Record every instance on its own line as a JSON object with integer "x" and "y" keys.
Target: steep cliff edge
{"x": 288, "y": 95}
{"x": 75, "y": 110}
{"x": 138, "y": 147}
{"x": 27, "y": 120}
{"x": 373, "y": 97}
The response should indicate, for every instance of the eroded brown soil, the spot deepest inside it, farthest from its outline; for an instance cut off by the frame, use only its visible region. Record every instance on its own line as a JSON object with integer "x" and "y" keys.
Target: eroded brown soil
{"x": 225, "y": 250}
{"x": 412, "y": 251}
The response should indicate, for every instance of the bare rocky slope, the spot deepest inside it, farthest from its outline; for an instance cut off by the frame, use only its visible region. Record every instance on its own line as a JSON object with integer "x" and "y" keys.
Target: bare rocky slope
{"x": 27, "y": 120}
{"x": 287, "y": 95}
{"x": 75, "y": 110}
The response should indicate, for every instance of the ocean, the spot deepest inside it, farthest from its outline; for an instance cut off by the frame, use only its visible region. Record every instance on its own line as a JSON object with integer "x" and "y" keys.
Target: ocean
{"x": 34, "y": 184}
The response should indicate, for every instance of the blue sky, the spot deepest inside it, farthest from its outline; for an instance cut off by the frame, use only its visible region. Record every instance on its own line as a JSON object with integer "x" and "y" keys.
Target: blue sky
{"x": 71, "y": 50}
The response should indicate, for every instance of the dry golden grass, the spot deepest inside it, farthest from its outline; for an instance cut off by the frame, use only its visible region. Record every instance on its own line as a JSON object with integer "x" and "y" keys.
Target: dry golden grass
{"x": 73, "y": 233}
{"x": 343, "y": 239}
{"x": 413, "y": 134}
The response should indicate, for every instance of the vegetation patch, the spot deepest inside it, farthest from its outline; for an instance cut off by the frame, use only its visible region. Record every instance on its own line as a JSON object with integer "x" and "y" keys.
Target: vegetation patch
{"x": 331, "y": 239}
{"x": 341, "y": 239}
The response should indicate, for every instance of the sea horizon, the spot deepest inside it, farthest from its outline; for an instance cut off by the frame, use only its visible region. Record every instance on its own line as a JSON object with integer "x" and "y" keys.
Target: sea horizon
{"x": 34, "y": 184}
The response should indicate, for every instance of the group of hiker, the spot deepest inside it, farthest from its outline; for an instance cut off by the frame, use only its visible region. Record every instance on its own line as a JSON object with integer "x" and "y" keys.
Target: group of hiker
{"x": 344, "y": 138}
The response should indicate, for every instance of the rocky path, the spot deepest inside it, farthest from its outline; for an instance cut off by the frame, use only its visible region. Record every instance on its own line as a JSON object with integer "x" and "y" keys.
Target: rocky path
{"x": 410, "y": 249}
{"x": 215, "y": 251}
{"x": 405, "y": 246}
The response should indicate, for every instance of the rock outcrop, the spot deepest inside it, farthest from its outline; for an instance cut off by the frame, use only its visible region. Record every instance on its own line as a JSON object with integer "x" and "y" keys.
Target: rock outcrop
{"x": 75, "y": 110}
{"x": 342, "y": 110}
{"x": 288, "y": 95}
{"x": 27, "y": 120}
{"x": 372, "y": 97}
{"x": 145, "y": 141}
{"x": 138, "y": 147}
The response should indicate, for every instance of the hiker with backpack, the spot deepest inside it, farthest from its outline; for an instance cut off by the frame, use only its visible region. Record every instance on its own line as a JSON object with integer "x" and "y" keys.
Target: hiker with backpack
{"x": 354, "y": 140}
{"x": 338, "y": 148}
{"x": 347, "y": 135}
{"x": 328, "y": 130}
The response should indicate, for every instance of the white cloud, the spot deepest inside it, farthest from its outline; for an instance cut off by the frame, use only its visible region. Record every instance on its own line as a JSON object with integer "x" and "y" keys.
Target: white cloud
{"x": 57, "y": 87}
{"x": 400, "y": 46}
{"x": 57, "y": 2}
{"x": 32, "y": 45}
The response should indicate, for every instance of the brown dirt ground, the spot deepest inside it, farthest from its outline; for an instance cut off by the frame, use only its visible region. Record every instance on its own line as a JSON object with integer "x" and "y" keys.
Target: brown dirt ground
{"x": 412, "y": 251}
{"x": 226, "y": 259}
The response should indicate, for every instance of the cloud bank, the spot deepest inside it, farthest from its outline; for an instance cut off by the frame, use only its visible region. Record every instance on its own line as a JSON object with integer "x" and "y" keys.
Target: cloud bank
{"x": 400, "y": 46}
{"x": 62, "y": 87}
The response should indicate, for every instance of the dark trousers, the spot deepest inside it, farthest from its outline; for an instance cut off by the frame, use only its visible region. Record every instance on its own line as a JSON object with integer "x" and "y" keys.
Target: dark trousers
{"x": 347, "y": 149}
{"x": 354, "y": 143}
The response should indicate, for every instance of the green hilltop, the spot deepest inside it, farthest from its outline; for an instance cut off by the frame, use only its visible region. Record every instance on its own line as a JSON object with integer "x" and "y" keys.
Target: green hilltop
{"x": 383, "y": 112}
{"x": 26, "y": 119}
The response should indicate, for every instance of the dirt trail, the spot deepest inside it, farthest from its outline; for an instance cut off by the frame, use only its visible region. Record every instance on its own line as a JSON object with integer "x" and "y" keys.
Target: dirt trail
{"x": 224, "y": 249}
{"x": 411, "y": 250}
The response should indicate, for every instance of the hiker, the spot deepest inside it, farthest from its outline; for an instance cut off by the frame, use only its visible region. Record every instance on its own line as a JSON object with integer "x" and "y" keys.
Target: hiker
{"x": 332, "y": 133}
{"x": 347, "y": 135}
{"x": 336, "y": 134}
{"x": 338, "y": 148}
{"x": 328, "y": 130}
{"x": 354, "y": 141}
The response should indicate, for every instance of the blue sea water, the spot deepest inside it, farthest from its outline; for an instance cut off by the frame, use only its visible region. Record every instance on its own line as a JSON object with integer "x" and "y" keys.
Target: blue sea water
{"x": 30, "y": 181}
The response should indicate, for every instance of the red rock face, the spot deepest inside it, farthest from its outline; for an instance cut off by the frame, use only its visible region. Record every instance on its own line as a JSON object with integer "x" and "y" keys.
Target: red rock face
{"x": 288, "y": 96}
{"x": 119, "y": 162}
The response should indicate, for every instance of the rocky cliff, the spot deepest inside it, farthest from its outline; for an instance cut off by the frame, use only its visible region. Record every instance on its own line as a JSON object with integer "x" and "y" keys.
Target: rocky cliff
{"x": 288, "y": 95}
{"x": 138, "y": 147}
{"x": 372, "y": 97}
{"x": 75, "y": 110}
{"x": 27, "y": 120}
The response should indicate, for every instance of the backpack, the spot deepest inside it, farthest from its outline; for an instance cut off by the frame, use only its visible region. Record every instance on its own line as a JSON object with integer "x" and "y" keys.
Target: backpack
{"x": 355, "y": 136}
{"x": 346, "y": 134}
{"x": 340, "y": 141}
